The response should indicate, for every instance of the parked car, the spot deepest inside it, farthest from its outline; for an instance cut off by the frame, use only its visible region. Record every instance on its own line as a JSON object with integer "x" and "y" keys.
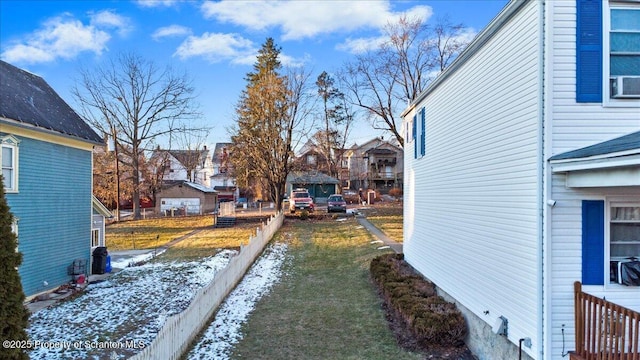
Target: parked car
{"x": 242, "y": 202}
{"x": 300, "y": 199}
{"x": 336, "y": 203}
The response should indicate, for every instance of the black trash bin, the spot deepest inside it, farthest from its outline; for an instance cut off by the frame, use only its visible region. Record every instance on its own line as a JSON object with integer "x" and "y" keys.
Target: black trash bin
{"x": 99, "y": 260}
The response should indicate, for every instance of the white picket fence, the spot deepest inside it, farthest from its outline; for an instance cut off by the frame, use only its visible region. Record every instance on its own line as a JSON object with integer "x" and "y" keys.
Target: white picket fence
{"x": 179, "y": 330}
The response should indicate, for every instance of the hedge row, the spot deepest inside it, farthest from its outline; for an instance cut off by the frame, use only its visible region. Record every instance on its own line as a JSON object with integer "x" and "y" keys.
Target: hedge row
{"x": 432, "y": 320}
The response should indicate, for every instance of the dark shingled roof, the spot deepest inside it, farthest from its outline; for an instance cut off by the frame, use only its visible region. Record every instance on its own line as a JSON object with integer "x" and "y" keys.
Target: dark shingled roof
{"x": 311, "y": 178}
{"x": 623, "y": 143}
{"x": 28, "y": 99}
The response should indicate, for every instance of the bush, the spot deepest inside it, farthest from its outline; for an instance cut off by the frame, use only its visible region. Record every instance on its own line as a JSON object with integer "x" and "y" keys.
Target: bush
{"x": 395, "y": 192}
{"x": 432, "y": 320}
{"x": 14, "y": 316}
{"x": 304, "y": 215}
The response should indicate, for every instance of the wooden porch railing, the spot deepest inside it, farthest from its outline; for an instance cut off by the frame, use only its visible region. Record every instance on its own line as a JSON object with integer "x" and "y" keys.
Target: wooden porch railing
{"x": 604, "y": 330}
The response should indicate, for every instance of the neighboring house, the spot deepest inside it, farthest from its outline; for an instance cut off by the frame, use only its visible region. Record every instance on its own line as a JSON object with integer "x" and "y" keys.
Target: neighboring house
{"x": 185, "y": 198}
{"x": 187, "y": 165}
{"x": 99, "y": 214}
{"x": 376, "y": 164}
{"x": 47, "y": 166}
{"x": 221, "y": 179}
{"x": 319, "y": 185}
{"x": 523, "y": 172}
{"x": 310, "y": 158}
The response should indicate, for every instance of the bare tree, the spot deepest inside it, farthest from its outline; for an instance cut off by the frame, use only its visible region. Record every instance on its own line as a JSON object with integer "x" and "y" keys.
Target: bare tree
{"x": 269, "y": 115}
{"x": 384, "y": 80}
{"x": 337, "y": 119}
{"x": 137, "y": 104}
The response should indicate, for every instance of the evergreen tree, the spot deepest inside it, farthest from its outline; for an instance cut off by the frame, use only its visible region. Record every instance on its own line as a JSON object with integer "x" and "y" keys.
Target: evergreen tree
{"x": 268, "y": 113}
{"x": 14, "y": 316}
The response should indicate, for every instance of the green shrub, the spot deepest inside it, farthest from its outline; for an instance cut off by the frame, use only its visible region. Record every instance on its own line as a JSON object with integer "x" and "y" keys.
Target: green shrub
{"x": 432, "y": 320}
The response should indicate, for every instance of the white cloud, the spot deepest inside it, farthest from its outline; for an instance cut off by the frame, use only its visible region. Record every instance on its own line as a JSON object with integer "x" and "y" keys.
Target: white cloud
{"x": 216, "y": 47}
{"x": 361, "y": 45}
{"x": 157, "y": 3}
{"x": 305, "y": 19}
{"x": 170, "y": 31}
{"x": 59, "y": 37}
{"x": 109, "y": 19}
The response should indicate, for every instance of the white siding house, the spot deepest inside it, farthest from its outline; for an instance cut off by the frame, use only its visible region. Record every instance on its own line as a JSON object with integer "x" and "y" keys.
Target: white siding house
{"x": 491, "y": 146}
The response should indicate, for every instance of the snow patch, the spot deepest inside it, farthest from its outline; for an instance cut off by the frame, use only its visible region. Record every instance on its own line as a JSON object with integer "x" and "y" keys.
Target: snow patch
{"x": 225, "y": 330}
{"x": 131, "y": 305}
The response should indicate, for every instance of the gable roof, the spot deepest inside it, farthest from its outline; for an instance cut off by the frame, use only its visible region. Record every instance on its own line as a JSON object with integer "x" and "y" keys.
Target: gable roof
{"x": 172, "y": 183}
{"x": 217, "y": 151}
{"x": 624, "y": 143}
{"x": 186, "y": 157}
{"x": 29, "y": 101}
{"x": 311, "y": 178}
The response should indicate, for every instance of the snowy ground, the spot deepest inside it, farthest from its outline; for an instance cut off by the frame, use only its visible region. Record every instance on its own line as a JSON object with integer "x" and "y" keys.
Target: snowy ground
{"x": 218, "y": 340}
{"x": 113, "y": 319}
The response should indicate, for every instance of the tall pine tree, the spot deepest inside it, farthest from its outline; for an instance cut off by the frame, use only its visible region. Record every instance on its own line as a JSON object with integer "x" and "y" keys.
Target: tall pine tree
{"x": 267, "y": 116}
{"x": 14, "y": 316}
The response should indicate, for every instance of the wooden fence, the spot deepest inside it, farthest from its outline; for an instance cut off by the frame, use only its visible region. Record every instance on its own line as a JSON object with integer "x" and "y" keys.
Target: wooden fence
{"x": 179, "y": 330}
{"x": 604, "y": 330}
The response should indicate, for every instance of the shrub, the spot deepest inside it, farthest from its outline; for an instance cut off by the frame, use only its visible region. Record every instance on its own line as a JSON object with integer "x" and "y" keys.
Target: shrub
{"x": 395, "y": 192}
{"x": 14, "y": 316}
{"x": 432, "y": 320}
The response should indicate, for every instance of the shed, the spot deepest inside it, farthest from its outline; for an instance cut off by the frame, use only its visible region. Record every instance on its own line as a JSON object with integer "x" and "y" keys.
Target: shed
{"x": 186, "y": 198}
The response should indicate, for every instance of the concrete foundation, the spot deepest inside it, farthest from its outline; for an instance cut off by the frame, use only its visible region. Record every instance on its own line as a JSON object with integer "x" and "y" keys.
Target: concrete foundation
{"x": 482, "y": 342}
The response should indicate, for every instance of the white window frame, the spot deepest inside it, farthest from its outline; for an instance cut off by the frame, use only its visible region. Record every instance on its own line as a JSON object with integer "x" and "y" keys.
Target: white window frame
{"x": 95, "y": 238}
{"x": 420, "y": 125}
{"x": 609, "y": 204}
{"x": 12, "y": 143}
{"x": 607, "y": 100}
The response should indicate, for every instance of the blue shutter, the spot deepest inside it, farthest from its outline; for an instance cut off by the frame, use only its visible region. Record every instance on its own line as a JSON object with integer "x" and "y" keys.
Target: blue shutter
{"x": 413, "y": 137}
{"x": 422, "y": 134}
{"x": 593, "y": 242}
{"x": 589, "y": 51}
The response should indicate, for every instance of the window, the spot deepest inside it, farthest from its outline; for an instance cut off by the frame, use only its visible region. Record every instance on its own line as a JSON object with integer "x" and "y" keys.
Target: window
{"x": 607, "y": 51}
{"x": 9, "y": 160}
{"x": 95, "y": 237}
{"x": 624, "y": 52}
{"x": 624, "y": 241}
{"x": 420, "y": 134}
{"x": 14, "y": 229}
{"x": 311, "y": 159}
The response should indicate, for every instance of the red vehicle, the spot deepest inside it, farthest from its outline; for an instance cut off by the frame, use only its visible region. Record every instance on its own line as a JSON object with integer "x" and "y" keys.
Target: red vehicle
{"x": 300, "y": 199}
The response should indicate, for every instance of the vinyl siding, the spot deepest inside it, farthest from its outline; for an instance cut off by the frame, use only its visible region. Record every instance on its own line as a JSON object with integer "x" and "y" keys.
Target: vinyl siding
{"x": 472, "y": 201}
{"x": 53, "y": 206}
{"x": 572, "y": 126}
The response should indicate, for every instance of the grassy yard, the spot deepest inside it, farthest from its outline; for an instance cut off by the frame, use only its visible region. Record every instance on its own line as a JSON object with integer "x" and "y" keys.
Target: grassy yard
{"x": 387, "y": 216}
{"x": 391, "y": 225}
{"x": 208, "y": 241}
{"x": 325, "y": 306}
{"x": 151, "y": 233}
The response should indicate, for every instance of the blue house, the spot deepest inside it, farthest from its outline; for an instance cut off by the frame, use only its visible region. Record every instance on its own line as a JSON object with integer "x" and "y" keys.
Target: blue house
{"x": 47, "y": 168}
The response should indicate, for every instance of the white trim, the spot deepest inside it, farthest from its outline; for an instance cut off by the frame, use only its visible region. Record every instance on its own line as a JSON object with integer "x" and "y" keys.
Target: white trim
{"x": 607, "y": 101}
{"x": 603, "y": 178}
{"x": 595, "y": 162}
{"x": 11, "y": 142}
{"x": 609, "y": 202}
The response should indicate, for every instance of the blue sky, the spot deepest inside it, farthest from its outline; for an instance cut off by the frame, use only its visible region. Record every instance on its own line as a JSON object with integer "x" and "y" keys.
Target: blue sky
{"x": 215, "y": 42}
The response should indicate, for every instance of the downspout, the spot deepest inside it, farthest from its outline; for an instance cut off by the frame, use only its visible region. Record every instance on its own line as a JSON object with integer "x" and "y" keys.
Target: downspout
{"x": 544, "y": 300}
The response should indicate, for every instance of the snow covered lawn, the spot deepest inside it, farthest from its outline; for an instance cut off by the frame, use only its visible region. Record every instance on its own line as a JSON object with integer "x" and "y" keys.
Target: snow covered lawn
{"x": 218, "y": 340}
{"x": 115, "y": 318}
